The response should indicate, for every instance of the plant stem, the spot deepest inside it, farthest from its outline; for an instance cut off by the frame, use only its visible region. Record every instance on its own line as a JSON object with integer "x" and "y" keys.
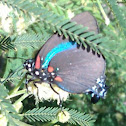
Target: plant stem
{"x": 16, "y": 94}
{"x": 107, "y": 21}
{"x": 21, "y": 98}
{"x": 17, "y": 87}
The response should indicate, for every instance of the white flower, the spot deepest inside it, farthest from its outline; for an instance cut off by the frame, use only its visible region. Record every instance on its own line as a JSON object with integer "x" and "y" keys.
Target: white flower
{"x": 45, "y": 92}
{"x": 70, "y": 14}
{"x": 63, "y": 116}
{"x": 21, "y": 25}
{"x": 6, "y": 21}
{"x": 107, "y": 21}
{"x": 3, "y": 120}
{"x": 18, "y": 106}
{"x": 7, "y": 24}
{"x": 4, "y": 11}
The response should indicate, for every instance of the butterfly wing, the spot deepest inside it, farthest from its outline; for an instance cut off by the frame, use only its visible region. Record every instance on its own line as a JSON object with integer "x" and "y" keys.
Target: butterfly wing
{"x": 79, "y": 69}
{"x": 85, "y": 19}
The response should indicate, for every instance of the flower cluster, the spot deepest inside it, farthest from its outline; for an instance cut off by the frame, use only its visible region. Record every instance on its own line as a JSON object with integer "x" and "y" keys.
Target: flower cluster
{"x": 63, "y": 116}
{"x": 10, "y": 20}
{"x": 43, "y": 92}
{"x": 6, "y": 21}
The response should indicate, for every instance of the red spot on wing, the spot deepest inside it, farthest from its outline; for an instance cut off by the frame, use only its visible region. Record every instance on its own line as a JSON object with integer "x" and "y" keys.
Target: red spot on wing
{"x": 50, "y": 69}
{"x": 59, "y": 79}
{"x": 38, "y": 62}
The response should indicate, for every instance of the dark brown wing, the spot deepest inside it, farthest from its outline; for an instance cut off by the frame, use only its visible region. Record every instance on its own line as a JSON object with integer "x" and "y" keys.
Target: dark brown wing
{"x": 85, "y": 19}
{"x": 78, "y": 69}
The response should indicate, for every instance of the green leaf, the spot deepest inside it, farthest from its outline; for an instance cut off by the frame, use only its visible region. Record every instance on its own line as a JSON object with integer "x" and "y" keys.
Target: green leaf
{"x": 119, "y": 14}
{"x": 7, "y": 108}
{"x": 5, "y": 43}
{"x": 49, "y": 114}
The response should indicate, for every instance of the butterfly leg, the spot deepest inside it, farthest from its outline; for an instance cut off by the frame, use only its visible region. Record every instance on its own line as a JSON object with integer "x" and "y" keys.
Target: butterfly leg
{"x": 26, "y": 86}
{"x": 61, "y": 102}
{"x": 28, "y": 80}
{"x": 26, "y": 83}
{"x": 37, "y": 87}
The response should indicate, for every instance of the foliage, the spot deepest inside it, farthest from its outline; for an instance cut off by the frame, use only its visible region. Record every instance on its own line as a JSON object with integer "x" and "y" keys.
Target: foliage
{"x": 50, "y": 114}
{"x": 7, "y": 109}
{"x": 5, "y": 43}
{"x": 25, "y": 25}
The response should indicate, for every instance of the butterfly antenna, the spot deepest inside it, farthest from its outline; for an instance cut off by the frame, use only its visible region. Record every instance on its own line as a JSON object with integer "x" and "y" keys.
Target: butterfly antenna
{"x": 16, "y": 57}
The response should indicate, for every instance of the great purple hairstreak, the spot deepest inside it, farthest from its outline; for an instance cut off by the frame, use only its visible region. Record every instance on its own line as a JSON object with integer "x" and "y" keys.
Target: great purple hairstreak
{"x": 70, "y": 66}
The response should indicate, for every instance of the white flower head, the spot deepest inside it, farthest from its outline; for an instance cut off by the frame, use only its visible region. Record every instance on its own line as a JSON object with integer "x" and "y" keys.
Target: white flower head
{"x": 7, "y": 24}
{"x": 70, "y": 14}
{"x": 21, "y": 25}
{"x": 63, "y": 116}
{"x": 6, "y": 20}
{"x": 45, "y": 92}
{"x": 3, "y": 120}
{"x": 4, "y": 11}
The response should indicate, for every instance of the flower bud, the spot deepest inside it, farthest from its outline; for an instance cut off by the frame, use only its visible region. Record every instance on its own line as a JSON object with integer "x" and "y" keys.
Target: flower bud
{"x": 63, "y": 116}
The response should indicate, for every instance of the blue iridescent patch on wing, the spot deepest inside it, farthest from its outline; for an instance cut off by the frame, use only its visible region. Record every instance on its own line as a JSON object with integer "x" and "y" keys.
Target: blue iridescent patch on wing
{"x": 63, "y": 88}
{"x": 59, "y": 48}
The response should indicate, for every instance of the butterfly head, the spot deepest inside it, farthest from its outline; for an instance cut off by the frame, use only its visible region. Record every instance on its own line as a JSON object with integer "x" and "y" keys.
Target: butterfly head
{"x": 29, "y": 65}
